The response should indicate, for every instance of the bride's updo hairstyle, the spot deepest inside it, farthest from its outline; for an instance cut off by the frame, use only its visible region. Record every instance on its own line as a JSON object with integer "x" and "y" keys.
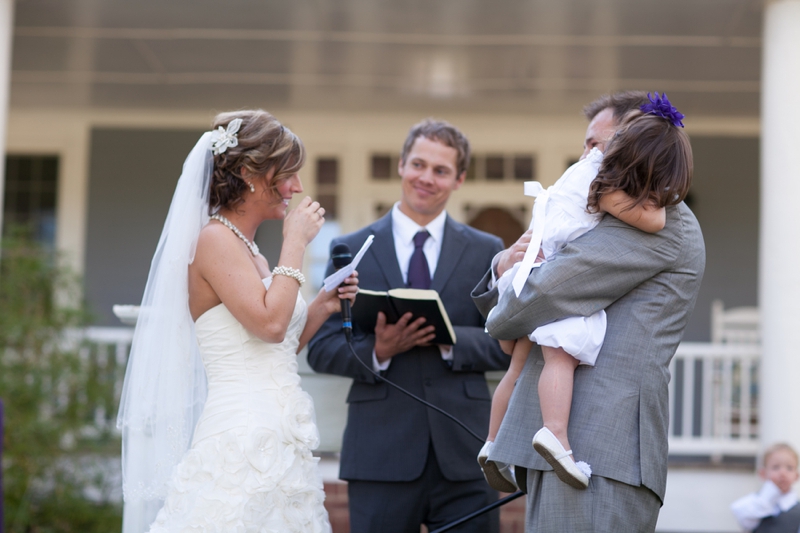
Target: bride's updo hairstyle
{"x": 264, "y": 144}
{"x": 648, "y": 158}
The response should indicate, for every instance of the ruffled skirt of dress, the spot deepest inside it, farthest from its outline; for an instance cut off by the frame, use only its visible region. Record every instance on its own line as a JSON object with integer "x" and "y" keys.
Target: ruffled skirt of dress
{"x": 244, "y": 481}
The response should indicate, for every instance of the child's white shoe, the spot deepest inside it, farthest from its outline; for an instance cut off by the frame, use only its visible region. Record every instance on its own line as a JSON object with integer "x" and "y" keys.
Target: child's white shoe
{"x": 573, "y": 474}
{"x": 499, "y": 476}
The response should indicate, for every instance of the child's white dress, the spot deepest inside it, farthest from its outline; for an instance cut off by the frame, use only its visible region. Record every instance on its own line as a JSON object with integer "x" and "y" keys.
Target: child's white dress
{"x": 560, "y": 216}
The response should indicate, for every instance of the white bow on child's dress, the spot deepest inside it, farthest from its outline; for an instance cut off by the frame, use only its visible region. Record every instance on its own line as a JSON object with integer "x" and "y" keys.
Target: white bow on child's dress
{"x": 535, "y": 189}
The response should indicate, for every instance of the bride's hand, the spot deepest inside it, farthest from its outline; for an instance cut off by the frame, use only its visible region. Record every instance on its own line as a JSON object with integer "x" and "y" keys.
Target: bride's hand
{"x": 346, "y": 291}
{"x": 304, "y": 221}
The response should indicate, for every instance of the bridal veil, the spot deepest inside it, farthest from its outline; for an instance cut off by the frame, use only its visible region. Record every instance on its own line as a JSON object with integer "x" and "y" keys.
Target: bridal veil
{"x": 165, "y": 384}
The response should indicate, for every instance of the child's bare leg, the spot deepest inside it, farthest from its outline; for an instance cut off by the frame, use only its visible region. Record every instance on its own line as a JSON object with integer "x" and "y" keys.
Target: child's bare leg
{"x": 502, "y": 394}
{"x": 555, "y": 391}
{"x": 500, "y": 476}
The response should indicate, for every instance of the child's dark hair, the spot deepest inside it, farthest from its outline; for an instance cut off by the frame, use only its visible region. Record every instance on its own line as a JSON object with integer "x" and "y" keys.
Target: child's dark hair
{"x": 648, "y": 159}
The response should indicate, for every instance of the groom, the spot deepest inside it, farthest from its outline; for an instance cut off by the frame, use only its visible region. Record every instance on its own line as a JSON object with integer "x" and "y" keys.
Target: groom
{"x": 405, "y": 464}
{"x": 647, "y": 283}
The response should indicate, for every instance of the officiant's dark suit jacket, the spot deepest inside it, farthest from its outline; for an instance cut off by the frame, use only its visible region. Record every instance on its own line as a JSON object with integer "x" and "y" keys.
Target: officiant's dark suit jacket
{"x": 388, "y": 434}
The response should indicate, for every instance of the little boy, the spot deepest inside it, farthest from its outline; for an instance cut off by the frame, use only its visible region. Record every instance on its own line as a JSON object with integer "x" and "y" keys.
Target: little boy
{"x": 774, "y": 508}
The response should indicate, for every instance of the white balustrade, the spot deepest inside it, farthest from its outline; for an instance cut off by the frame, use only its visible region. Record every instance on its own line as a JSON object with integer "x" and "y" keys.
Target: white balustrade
{"x": 103, "y": 355}
{"x": 713, "y": 386}
{"x": 714, "y": 399}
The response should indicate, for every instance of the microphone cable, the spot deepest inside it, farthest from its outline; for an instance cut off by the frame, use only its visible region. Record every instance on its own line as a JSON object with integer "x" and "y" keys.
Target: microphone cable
{"x": 341, "y": 257}
{"x": 482, "y": 510}
{"x": 412, "y": 395}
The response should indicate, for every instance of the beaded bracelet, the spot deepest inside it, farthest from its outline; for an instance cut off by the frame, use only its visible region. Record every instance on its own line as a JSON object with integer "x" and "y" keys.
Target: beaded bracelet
{"x": 289, "y": 272}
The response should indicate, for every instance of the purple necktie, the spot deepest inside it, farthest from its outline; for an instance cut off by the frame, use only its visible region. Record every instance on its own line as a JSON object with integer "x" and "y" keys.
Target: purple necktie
{"x": 419, "y": 277}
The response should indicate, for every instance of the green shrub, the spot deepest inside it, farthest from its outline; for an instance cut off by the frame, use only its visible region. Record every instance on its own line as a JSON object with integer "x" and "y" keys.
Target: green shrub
{"x": 56, "y": 451}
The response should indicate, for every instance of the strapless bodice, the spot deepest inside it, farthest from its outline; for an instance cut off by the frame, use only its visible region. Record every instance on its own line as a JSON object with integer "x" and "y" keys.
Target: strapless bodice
{"x": 250, "y": 467}
{"x": 250, "y": 381}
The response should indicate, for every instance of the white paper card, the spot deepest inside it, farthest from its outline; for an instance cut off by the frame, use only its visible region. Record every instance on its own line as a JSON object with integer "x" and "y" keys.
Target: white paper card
{"x": 336, "y": 279}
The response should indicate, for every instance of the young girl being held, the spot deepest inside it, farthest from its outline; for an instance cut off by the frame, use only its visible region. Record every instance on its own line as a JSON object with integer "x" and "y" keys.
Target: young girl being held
{"x": 647, "y": 166}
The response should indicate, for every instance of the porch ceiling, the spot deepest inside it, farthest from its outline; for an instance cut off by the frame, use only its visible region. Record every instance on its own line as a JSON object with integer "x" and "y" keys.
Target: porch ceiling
{"x": 547, "y": 56}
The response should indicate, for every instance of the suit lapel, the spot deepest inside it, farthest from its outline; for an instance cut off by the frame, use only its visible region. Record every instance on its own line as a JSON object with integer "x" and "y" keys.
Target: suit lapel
{"x": 454, "y": 242}
{"x": 384, "y": 254}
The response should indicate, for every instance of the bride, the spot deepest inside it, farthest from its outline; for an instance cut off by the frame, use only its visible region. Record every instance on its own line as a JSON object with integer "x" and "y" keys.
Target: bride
{"x": 217, "y": 433}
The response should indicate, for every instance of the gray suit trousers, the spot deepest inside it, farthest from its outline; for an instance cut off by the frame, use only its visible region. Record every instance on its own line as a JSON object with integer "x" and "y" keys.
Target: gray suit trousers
{"x": 607, "y": 506}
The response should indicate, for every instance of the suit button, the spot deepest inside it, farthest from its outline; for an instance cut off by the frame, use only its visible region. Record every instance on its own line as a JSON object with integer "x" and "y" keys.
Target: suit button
{"x": 428, "y": 383}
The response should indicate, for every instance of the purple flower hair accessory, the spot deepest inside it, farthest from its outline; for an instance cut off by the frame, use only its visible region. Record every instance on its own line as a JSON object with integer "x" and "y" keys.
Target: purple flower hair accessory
{"x": 660, "y": 106}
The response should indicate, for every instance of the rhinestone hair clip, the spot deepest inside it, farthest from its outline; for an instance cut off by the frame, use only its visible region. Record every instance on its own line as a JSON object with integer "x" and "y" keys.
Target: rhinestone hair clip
{"x": 226, "y": 138}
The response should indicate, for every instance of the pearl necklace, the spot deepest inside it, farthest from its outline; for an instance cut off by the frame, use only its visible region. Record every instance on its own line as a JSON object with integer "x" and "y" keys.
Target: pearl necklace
{"x": 251, "y": 245}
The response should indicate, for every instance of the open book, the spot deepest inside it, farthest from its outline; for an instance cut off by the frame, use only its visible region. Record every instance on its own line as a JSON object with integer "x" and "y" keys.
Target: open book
{"x": 396, "y": 302}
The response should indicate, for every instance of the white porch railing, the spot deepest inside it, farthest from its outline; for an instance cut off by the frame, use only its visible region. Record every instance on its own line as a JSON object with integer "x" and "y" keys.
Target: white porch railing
{"x": 714, "y": 399}
{"x": 103, "y": 354}
{"x": 713, "y": 392}
{"x": 113, "y": 345}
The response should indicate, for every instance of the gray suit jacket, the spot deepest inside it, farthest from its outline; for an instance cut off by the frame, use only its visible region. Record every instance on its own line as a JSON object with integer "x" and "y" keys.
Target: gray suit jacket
{"x": 388, "y": 434}
{"x": 648, "y": 285}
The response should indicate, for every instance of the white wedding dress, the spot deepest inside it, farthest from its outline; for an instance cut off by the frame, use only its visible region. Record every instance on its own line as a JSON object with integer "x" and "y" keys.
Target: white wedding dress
{"x": 250, "y": 467}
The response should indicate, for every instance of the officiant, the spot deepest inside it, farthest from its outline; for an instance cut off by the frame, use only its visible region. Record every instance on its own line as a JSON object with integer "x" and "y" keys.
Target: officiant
{"x": 405, "y": 464}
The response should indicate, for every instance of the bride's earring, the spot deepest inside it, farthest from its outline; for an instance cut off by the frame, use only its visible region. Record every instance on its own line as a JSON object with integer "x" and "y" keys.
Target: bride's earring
{"x": 252, "y": 187}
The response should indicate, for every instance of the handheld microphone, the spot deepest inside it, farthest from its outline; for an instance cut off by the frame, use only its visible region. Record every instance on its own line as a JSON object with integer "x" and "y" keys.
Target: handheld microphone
{"x": 341, "y": 257}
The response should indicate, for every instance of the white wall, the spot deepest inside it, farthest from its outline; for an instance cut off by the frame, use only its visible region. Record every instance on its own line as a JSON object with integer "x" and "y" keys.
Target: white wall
{"x": 699, "y": 500}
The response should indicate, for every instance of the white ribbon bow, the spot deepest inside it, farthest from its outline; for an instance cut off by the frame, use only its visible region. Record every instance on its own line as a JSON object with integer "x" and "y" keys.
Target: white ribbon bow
{"x": 532, "y": 188}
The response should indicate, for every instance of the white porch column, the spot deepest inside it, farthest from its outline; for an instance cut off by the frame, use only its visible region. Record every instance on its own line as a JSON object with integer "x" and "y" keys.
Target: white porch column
{"x": 6, "y": 35}
{"x": 779, "y": 254}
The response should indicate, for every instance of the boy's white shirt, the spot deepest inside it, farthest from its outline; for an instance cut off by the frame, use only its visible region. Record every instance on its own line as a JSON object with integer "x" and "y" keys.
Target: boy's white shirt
{"x": 768, "y": 501}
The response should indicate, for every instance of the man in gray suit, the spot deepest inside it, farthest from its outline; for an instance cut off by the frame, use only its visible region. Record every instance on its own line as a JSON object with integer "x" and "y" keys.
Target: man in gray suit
{"x": 405, "y": 464}
{"x": 647, "y": 283}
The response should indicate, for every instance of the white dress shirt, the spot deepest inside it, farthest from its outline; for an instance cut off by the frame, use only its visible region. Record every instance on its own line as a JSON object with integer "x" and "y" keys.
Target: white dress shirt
{"x": 768, "y": 501}
{"x": 403, "y": 231}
